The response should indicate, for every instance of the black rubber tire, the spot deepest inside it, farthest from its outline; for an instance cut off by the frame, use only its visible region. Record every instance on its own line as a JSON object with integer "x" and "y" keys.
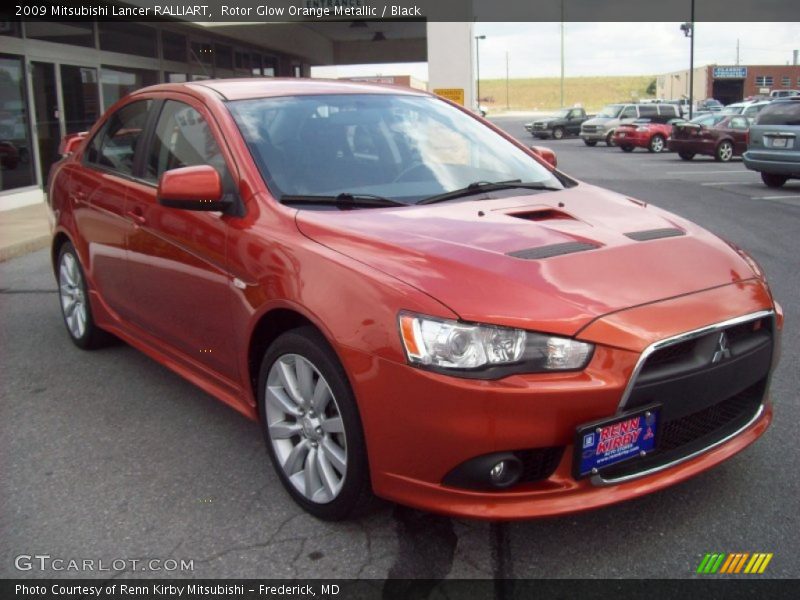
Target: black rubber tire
{"x": 558, "y": 133}
{"x": 686, "y": 155}
{"x": 356, "y": 495}
{"x": 774, "y": 180}
{"x": 718, "y": 156}
{"x": 652, "y": 146}
{"x": 610, "y": 139}
{"x": 627, "y": 148}
{"x": 590, "y": 143}
{"x": 93, "y": 337}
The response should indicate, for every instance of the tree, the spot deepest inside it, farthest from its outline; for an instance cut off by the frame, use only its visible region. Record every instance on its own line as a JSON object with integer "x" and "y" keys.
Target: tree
{"x": 651, "y": 89}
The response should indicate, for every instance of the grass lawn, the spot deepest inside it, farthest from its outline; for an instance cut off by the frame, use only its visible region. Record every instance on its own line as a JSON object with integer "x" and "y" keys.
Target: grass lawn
{"x": 545, "y": 93}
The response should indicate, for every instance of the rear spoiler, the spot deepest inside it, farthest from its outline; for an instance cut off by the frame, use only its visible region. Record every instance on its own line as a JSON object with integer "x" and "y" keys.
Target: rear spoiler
{"x": 70, "y": 142}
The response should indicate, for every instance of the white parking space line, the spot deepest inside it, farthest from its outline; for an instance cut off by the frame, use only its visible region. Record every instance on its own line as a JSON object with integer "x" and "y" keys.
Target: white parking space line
{"x": 698, "y": 172}
{"x": 716, "y": 183}
{"x": 785, "y": 196}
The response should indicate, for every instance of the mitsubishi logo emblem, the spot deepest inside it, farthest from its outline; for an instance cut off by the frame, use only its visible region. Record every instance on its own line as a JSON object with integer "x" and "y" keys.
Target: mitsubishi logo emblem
{"x": 722, "y": 352}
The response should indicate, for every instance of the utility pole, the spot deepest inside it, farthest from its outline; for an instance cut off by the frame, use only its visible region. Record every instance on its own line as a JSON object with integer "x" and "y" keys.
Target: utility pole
{"x": 508, "y": 106}
{"x": 688, "y": 31}
{"x": 562, "y": 53}
{"x": 737, "y": 52}
{"x": 794, "y": 57}
{"x": 478, "y": 39}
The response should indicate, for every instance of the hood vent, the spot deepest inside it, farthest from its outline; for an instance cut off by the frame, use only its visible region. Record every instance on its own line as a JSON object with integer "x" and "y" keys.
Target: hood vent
{"x": 552, "y": 250}
{"x": 546, "y": 214}
{"x": 654, "y": 234}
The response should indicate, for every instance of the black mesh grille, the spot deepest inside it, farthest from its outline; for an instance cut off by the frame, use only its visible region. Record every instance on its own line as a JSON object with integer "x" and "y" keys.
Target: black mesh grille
{"x": 654, "y": 234}
{"x": 552, "y": 250}
{"x": 539, "y": 463}
{"x": 670, "y": 354}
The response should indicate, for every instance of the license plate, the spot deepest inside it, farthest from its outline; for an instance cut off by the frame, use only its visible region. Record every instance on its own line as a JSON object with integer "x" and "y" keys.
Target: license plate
{"x": 779, "y": 142}
{"x": 611, "y": 441}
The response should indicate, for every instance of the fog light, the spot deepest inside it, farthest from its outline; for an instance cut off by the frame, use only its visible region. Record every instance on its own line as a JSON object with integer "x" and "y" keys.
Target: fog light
{"x": 505, "y": 473}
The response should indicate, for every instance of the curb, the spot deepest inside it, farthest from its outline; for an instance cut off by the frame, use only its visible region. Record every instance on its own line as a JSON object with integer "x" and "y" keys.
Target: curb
{"x": 22, "y": 248}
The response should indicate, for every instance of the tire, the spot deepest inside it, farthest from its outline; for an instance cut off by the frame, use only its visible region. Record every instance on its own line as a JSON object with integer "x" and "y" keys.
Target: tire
{"x": 724, "y": 151}
{"x": 610, "y": 139}
{"x": 558, "y": 133}
{"x": 657, "y": 144}
{"x": 327, "y": 448}
{"x": 73, "y": 295}
{"x": 773, "y": 180}
{"x": 686, "y": 155}
{"x": 626, "y": 148}
{"x": 591, "y": 143}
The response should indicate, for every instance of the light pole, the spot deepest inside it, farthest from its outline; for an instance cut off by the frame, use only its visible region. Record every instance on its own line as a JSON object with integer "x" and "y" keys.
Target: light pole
{"x": 478, "y": 39}
{"x": 688, "y": 31}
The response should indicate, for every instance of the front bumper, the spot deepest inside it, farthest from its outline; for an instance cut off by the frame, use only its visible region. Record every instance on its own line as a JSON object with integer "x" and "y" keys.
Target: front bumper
{"x": 597, "y": 136}
{"x": 420, "y": 425}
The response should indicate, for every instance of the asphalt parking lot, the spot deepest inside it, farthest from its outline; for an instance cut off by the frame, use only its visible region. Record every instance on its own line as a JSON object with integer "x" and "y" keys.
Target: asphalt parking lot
{"x": 108, "y": 455}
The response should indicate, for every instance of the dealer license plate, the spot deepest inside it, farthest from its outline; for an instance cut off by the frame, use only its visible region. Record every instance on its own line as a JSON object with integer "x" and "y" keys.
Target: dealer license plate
{"x": 611, "y": 441}
{"x": 779, "y": 142}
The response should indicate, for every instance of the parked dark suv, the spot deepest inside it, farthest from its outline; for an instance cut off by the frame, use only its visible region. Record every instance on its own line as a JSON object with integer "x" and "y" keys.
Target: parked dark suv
{"x": 774, "y": 147}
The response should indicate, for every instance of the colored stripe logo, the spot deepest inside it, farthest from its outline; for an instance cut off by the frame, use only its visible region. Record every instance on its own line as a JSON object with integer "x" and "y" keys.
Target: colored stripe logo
{"x": 736, "y": 563}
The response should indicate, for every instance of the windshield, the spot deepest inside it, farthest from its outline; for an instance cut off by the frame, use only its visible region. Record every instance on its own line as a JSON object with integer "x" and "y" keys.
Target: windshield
{"x": 712, "y": 119}
{"x": 398, "y": 147}
{"x": 733, "y": 109}
{"x": 562, "y": 114}
{"x": 611, "y": 111}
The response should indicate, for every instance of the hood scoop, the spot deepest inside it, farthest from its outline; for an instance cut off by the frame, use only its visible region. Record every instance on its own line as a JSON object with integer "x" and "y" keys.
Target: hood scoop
{"x": 543, "y": 214}
{"x": 654, "y": 234}
{"x": 552, "y": 250}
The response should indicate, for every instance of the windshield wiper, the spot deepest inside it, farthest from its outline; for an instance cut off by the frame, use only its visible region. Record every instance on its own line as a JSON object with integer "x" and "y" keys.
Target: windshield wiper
{"x": 344, "y": 200}
{"x": 478, "y": 187}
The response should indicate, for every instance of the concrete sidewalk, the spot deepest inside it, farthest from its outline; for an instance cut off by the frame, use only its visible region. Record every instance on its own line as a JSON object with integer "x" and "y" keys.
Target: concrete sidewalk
{"x": 23, "y": 230}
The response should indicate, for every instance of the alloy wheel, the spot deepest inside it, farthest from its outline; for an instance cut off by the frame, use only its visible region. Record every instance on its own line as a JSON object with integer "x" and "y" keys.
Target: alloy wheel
{"x": 73, "y": 298}
{"x": 306, "y": 429}
{"x": 725, "y": 151}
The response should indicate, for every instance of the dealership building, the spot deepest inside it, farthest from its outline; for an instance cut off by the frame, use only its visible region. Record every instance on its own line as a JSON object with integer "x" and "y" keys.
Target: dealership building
{"x": 58, "y": 77}
{"x": 728, "y": 83}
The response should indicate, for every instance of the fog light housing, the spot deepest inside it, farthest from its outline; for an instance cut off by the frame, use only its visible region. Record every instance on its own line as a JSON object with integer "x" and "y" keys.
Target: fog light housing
{"x": 496, "y": 471}
{"x": 505, "y": 473}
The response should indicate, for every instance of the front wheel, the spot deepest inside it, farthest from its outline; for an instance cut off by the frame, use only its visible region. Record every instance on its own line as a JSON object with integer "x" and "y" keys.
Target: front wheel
{"x": 558, "y": 133}
{"x": 686, "y": 155}
{"x": 656, "y": 144}
{"x": 74, "y": 300}
{"x": 773, "y": 180}
{"x": 626, "y": 148}
{"x": 610, "y": 138}
{"x": 590, "y": 143}
{"x": 724, "y": 151}
{"x": 311, "y": 425}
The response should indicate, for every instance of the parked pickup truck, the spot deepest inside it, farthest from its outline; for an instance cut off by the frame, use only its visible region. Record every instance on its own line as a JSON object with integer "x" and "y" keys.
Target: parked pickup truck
{"x": 567, "y": 121}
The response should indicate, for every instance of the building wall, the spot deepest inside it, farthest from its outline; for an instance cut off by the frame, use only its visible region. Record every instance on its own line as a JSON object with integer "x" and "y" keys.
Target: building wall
{"x": 451, "y": 51}
{"x": 675, "y": 85}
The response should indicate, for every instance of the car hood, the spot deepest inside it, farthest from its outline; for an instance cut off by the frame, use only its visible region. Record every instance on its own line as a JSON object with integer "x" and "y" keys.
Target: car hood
{"x": 479, "y": 258}
{"x": 599, "y": 120}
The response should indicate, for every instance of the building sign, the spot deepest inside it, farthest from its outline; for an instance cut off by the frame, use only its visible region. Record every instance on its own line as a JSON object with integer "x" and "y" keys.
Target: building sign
{"x": 730, "y": 72}
{"x": 453, "y": 94}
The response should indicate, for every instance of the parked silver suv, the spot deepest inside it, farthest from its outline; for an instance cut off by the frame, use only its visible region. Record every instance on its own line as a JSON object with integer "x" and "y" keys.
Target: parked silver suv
{"x": 774, "y": 147}
{"x": 601, "y": 128}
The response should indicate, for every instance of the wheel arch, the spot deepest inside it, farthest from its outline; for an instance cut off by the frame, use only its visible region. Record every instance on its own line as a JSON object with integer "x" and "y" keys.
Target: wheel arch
{"x": 59, "y": 239}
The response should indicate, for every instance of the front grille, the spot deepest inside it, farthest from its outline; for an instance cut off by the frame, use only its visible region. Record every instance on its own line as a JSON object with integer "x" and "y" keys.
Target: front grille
{"x": 590, "y": 128}
{"x": 539, "y": 463}
{"x": 708, "y": 387}
{"x": 685, "y": 435}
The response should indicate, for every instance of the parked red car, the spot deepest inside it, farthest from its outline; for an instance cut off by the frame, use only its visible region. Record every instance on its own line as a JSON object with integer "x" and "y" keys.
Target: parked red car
{"x": 409, "y": 301}
{"x": 720, "y": 136}
{"x": 644, "y": 133}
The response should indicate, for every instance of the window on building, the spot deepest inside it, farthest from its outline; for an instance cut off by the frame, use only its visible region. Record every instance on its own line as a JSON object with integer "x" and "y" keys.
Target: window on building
{"x": 114, "y": 146}
{"x": 12, "y": 28}
{"x": 173, "y": 46}
{"x": 223, "y": 56}
{"x": 764, "y": 80}
{"x": 297, "y": 71}
{"x": 16, "y": 164}
{"x": 176, "y": 77}
{"x": 74, "y": 33}
{"x": 786, "y": 81}
{"x": 202, "y": 53}
{"x": 182, "y": 139}
{"x": 128, "y": 38}
{"x": 81, "y": 102}
{"x": 242, "y": 61}
{"x": 119, "y": 81}
{"x": 270, "y": 66}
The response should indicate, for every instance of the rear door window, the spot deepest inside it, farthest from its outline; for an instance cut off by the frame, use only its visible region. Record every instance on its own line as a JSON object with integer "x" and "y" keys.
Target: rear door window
{"x": 629, "y": 112}
{"x": 114, "y": 146}
{"x": 648, "y": 111}
{"x": 739, "y": 123}
{"x": 780, "y": 113}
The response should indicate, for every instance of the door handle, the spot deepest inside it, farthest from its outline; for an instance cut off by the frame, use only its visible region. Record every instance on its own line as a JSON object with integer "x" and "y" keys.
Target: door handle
{"x": 137, "y": 216}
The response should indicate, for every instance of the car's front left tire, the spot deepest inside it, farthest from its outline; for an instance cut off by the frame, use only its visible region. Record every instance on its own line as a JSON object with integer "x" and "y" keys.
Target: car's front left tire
{"x": 657, "y": 144}
{"x": 73, "y": 293}
{"x": 312, "y": 427}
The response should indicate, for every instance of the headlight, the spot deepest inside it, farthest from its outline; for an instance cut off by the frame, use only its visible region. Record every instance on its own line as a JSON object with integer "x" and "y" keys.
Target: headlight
{"x": 641, "y": 129}
{"x": 450, "y": 345}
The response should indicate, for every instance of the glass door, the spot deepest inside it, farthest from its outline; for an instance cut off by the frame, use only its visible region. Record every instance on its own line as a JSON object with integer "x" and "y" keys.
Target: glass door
{"x": 46, "y": 115}
{"x": 79, "y": 92}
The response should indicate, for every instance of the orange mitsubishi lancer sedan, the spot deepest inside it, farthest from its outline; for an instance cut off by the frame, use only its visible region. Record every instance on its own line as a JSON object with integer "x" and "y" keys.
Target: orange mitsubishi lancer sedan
{"x": 411, "y": 303}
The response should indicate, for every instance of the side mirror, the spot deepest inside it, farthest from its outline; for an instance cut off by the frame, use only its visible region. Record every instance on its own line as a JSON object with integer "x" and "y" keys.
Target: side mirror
{"x": 192, "y": 188}
{"x": 70, "y": 142}
{"x": 545, "y": 154}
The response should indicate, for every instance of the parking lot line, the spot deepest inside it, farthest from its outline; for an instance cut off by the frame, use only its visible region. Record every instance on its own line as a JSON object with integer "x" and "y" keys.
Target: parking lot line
{"x": 700, "y": 172}
{"x": 783, "y": 197}
{"x": 716, "y": 183}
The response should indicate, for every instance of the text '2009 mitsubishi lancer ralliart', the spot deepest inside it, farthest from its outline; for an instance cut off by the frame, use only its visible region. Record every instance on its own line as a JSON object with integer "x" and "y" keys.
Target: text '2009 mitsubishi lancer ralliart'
{"x": 410, "y": 302}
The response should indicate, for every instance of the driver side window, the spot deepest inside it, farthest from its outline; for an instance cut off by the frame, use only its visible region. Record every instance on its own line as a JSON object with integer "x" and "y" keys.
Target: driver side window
{"x": 114, "y": 146}
{"x": 629, "y": 113}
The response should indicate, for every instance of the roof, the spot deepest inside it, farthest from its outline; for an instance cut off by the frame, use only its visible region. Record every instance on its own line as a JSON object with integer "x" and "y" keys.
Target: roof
{"x": 263, "y": 87}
